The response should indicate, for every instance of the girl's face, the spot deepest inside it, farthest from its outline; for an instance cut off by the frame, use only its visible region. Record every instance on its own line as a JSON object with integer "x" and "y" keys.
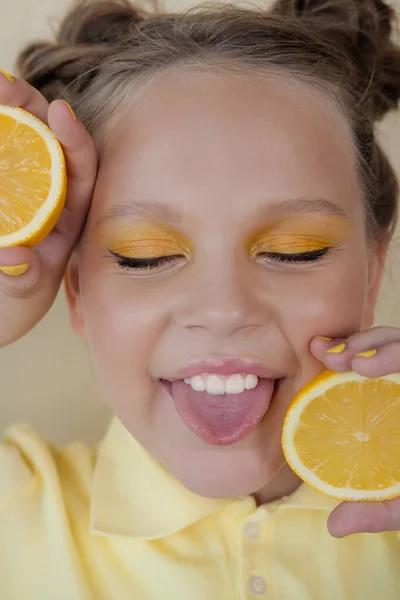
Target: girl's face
{"x": 227, "y": 230}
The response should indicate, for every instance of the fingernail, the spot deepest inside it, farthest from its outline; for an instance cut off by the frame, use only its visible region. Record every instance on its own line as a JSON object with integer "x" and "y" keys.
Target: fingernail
{"x": 368, "y": 353}
{"x": 15, "y": 270}
{"x": 70, "y": 109}
{"x": 323, "y": 337}
{"x": 336, "y": 349}
{"x": 7, "y": 76}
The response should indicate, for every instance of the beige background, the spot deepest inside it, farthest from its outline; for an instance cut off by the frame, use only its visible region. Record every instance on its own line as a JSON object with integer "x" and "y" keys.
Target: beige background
{"x": 46, "y": 378}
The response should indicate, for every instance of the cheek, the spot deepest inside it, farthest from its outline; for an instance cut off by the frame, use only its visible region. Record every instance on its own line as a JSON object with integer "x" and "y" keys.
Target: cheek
{"x": 123, "y": 324}
{"x": 330, "y": 301}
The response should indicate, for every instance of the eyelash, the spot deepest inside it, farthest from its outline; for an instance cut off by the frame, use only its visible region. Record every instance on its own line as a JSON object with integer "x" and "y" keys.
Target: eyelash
{"x": 143, "y": 264}
{"x": 149, "y": 264}
{"x": 311, "y": 256}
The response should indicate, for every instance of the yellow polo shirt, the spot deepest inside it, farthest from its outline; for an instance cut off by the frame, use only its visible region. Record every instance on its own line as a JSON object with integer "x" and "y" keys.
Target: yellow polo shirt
{"x": 111, "y": 523}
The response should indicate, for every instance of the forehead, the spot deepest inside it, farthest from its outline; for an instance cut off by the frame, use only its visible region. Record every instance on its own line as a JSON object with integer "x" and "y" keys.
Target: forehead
{"x": 199, "y": 139}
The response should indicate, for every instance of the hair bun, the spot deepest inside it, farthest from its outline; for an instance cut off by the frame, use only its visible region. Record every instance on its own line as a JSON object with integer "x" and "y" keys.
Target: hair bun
{"x": 361, "y": 30}
{"x": 100, "y": 22}
{"x": 89, "y": 31}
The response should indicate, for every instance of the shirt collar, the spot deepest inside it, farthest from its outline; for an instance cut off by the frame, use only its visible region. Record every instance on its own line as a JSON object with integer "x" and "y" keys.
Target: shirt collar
{"x": 309, "y": 499}
{"x": 134, "y": 495}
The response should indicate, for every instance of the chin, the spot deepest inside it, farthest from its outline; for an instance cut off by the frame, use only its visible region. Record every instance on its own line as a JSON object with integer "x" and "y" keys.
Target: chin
{"x": 227, "y": 472}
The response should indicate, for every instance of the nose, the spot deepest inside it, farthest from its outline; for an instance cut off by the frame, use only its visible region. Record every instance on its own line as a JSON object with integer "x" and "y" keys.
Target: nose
{"x": 222, "y": 301}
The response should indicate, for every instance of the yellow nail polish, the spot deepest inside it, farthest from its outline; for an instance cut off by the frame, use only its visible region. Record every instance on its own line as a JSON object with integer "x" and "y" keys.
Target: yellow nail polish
{"x": 70, "y": 109}
{"x": 323, "y": 337}
{"x": 15, "y": 270}
{"x": 336, "y": 349}
{"x": 7, "y": 75}
{"x": 368, "y": 353}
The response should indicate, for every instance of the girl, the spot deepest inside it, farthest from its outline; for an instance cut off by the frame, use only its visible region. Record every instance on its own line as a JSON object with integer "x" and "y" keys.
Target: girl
{"x": 242, "y": 208}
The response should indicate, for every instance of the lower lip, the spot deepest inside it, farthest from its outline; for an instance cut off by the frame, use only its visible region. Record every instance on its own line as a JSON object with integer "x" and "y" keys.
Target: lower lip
{"x": 224, "y": 419}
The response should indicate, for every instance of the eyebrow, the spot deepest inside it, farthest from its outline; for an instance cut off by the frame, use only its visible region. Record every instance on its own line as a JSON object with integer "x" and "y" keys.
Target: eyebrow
{"x": 319, "y": 206}
{"x": 144, "y": 210}
{"x": 157, "y": 210}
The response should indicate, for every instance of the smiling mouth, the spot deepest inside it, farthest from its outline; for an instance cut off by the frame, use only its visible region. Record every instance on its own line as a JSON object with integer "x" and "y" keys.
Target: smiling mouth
{"x": 222, "y": 410}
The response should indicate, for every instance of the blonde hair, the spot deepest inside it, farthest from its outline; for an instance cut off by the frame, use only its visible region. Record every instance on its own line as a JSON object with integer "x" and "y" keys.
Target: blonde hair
{"x": 342, "y": 47}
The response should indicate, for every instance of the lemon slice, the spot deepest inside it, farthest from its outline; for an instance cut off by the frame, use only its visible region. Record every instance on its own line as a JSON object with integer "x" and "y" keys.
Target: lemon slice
{"x": 341, "y": 435}
{"x": 32, "y": 178}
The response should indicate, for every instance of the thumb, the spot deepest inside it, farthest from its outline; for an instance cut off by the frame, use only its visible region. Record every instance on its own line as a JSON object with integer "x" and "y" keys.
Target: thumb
{"x": 364, "y": 517}
{"x": 19, "y": 271}
{"x": 26, "y": 293}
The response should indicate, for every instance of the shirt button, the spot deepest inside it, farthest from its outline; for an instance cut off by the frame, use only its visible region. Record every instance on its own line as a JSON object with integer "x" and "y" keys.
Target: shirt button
{"x": 257, "y": 585}
{"x": 252, "y": 531}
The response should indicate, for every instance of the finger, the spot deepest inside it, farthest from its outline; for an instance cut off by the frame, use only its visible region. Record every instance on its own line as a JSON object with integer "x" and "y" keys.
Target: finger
{"x": 357, "y": 342}
{"x": 333, "y": 353}
{"x": 320, "y": 344}
{"x": 20, "y": 93}
{"x": 364, "y": 517}
{"x": 80, "y": 156}
{"x": 370, "y": 338}
{"x": 24, "y": 298}
{"x": 341, "y": 354}
{"x": 81, "y": 162}
{"x": 24, "y": 284}
{"x": 384, "y": 361}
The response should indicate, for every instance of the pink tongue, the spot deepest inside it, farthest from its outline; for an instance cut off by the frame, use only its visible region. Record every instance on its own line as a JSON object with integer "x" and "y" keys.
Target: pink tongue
{"x": 225, "y": 419}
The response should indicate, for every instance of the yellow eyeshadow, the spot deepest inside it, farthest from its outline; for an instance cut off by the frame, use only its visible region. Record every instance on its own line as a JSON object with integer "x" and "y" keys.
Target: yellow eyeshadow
{"x": 299, "y": 234}
{"x": 145, "y": 240}
{"x": 289, "y": 244}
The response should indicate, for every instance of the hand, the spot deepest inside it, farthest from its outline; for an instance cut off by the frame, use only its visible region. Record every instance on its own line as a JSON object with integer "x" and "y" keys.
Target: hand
{"x": 384, "y": 358}
{"x": 25, "y": 299}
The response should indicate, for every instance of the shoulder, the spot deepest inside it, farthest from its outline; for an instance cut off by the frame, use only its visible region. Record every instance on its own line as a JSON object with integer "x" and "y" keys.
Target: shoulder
{"x": 26, "y": 457}
{"x": 15, "y": 471}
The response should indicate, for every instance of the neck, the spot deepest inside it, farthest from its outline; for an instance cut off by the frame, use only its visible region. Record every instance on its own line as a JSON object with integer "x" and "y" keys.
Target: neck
{"x": 283, "y": 484}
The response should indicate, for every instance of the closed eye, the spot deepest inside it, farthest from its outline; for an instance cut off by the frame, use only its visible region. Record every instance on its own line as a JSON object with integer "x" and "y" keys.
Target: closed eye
{"x": 144, "y": 264}
{"x": 148, "y": 264}
{"x": 297, "y": 257}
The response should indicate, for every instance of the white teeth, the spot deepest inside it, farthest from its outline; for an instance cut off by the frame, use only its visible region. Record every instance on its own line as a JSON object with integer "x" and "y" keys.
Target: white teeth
{"x": 217, "y": 385}
{"x": 235, "y": 384}
{"x": 197, "y": 383}
{"x": 251, "y": 382}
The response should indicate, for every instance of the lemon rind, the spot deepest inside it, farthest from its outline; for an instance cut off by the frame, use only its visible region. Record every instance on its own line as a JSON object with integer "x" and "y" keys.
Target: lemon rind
{"x": 46, "y": 217}
{"x": 313, "y": 390}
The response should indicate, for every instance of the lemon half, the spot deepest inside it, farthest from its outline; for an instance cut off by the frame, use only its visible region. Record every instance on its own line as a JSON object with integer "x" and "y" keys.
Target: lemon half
{"x": 341, "y": 435}
{"x": 33, "y": 181}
